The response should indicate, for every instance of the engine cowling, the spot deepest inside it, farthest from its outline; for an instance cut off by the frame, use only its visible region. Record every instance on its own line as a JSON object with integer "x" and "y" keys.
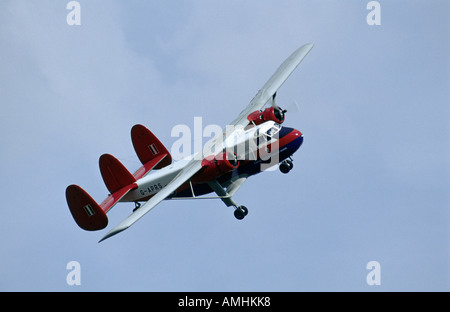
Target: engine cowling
{"x": 276, "y": 114}
{"x": 215, "y": 166}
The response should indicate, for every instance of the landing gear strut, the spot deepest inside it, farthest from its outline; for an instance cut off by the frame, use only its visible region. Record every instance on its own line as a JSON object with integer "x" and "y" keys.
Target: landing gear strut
{"x": 286, "y": 166}
{"x": 137, "y": 205}
{"x": 240, "y": 212}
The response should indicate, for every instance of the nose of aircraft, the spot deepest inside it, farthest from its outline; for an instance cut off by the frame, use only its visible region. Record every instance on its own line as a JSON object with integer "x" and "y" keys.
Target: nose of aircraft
{"x": 298, "y": 137}
{"x": 292, "y": 138}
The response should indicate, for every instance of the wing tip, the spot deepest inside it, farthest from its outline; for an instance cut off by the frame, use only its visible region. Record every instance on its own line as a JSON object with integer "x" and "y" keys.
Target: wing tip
{"x": 307, "y": 46}
{"x": 113, "y": 232}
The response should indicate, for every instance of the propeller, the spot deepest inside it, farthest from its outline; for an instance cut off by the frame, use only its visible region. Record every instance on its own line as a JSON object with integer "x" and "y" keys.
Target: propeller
{"x": 278, "y": 111}
{"x": 293, "y": 107}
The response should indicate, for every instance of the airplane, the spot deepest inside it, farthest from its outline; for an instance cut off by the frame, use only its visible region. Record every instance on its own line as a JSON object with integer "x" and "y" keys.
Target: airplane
{"x": 255, "y": 140}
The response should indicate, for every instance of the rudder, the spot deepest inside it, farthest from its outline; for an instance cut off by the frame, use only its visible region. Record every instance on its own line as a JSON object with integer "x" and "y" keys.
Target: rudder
{"x": 87, "y": 213}
{"x": 114, "y": 174}
{"x": 148, "y": 147}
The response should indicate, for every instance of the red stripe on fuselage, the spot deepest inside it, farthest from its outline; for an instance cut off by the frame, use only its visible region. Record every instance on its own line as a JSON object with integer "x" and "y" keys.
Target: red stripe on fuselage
{"x": 288, "y": 138}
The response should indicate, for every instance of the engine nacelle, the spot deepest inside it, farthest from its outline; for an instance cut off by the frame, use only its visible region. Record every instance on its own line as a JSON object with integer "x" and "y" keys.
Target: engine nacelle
{"x": 271, "y": 113}
{"x": 215, "y": 166}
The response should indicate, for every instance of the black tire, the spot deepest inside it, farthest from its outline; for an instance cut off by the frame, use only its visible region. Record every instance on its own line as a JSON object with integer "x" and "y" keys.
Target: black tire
{"x": 290, "y": 164}
{"x": 239, "y": 213}
{"x": 244, "y": 209}
{"x": 285, "y": 168}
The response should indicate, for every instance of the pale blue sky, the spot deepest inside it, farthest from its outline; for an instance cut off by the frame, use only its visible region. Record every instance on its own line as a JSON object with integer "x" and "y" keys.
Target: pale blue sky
{"x": 370, "y": 182}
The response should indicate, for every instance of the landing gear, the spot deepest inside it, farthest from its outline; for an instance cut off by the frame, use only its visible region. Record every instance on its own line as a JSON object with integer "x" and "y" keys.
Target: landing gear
{"x": 286, "y": 166}
{"x": 137, "y": 205}
{"x": 240, "y": 212}
{"x": 226, "y": 196}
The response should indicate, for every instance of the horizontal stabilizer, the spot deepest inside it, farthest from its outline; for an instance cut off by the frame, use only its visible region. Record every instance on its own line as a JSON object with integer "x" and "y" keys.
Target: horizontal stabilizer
{"x": 141, "y": 172}
{"x": 112, "y": 199}
{"x": 114, "y": 174}
{"x": 148, "y": 147}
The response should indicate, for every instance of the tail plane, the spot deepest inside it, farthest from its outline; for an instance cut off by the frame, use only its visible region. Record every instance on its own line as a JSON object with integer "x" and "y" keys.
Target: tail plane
{"x": 91, "y": 216}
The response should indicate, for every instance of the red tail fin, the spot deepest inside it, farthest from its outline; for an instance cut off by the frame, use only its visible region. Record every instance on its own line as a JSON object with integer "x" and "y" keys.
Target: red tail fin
{"x": 114, "y": 174}
{"x": 86, "y": 212}
{"x": 148, "y": 147}
{"x": 89, "y": 215}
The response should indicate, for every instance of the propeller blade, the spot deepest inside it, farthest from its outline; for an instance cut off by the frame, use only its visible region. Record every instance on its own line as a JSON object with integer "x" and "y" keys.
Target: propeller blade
{"x": 293, "y": 107}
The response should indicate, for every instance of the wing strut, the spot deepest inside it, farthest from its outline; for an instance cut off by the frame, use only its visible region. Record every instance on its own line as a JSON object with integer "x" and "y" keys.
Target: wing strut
{"x": 224, "y": 196}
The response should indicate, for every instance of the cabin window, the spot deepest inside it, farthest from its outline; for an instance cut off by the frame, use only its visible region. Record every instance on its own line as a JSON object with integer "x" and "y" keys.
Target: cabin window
{"x": 272, "y": 132}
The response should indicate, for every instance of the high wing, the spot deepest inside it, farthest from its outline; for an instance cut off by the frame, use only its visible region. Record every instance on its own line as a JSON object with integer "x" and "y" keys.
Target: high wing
{"x": 273, "y": 84}
{"x": 266, "y": 93}
{"x": 191, "y": 169}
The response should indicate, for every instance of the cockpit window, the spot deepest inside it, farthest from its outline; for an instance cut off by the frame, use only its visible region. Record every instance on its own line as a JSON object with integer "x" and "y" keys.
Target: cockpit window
{"x": 272, "y": 132}
{"x": 267, "y": 133}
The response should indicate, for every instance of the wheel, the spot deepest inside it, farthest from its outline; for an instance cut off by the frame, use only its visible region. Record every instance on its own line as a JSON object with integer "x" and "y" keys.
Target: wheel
{"x": 290, "y": 164}
{"x": 284, "y": 167}
{"x": 137, "y": 205}
{"x": 244, "y": 209}
{"x": 240, "y": 212}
